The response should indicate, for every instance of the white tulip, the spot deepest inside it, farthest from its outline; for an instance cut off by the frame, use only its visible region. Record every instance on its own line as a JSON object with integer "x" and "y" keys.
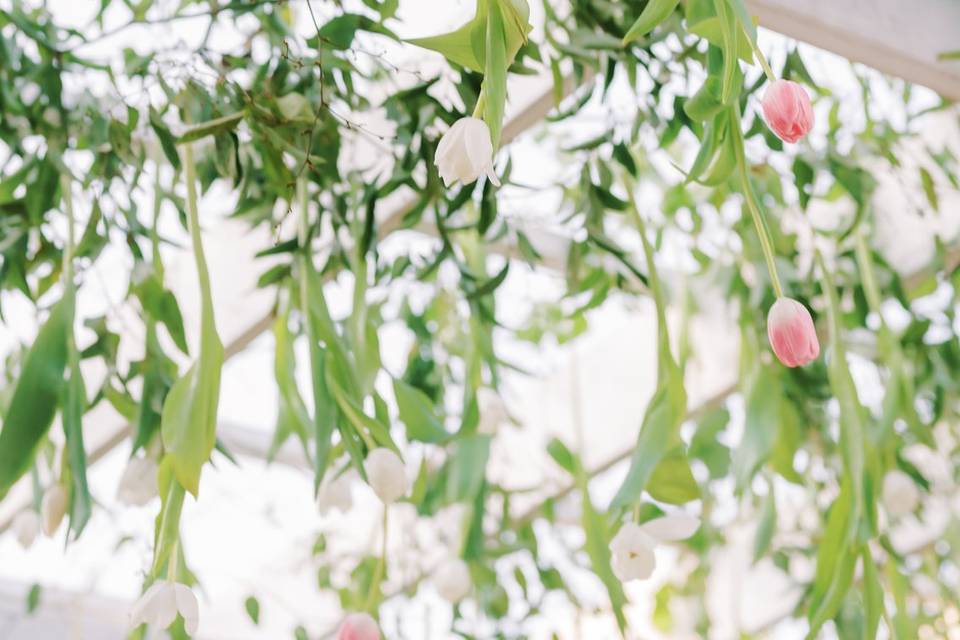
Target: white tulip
{"x": 466, "y": 152}
{"x": 335, "y": 493}
{"x": 900, "y": 494}
{"x": 493, "y": 412}
{"x": 138, "y": 484}
{"x": 160, "y": 604}
{"x": 52, "y": 508}
{"x": 633, "y": 546}
{"x": 26, "y": 527}
{"x": 452, "y": 580}
{"x": 386, "y": 475}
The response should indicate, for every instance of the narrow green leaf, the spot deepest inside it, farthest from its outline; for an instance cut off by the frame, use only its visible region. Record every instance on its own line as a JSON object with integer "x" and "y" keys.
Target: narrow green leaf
{"x": 35, "y": 397}
{"x": 467, "y": 467}
{"x": 653, "y": 14}
{"x": 766, "y": 527}
{"x": 188, "y": 423}
{"x": 211, "y": 128}
{"x": 418, "y": 414}
{"x": 495, "y": 74}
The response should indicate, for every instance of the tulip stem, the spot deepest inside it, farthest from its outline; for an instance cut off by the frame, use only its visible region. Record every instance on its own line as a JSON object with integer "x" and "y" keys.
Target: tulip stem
{"x": 748, "y": 194}
{"x": 771, "y": 76}
{"x": 381, "y": 566}
{"x": 481, "y": 104}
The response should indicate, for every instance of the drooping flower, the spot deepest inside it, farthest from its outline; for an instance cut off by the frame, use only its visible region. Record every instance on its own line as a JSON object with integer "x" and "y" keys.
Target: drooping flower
{"x": 788, "y": 111}
{"x": 138, "y": 484}
{"x": 452, "y": 580}
{"x": 160, "y": 604}
{"x": 633, "y": 546}
{"x": 358, "y": 626}
{"x": 465, "y": 153}
{"x": 791, "y": 332}
{"x": 386, "y": 475}
{"x": 26, "y": 527}
{"x": 900, "y": 494}
{"x": 335, "y": 493}
{"x": 53, "y": 507}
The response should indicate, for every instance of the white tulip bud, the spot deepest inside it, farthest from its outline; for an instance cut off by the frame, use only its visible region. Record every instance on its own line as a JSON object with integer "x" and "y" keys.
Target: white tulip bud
{"x": 138, "y": 484}
{"x": 466, "y": 152}
{"x": 335, "y": 493}
{"x": 633, "y": 556}
{"x": 900, "y": 494}
{"x": 386, "y": 475}
{"x": 160, "y": 604}
{"x": 26, "y": 527}
{"x": 452, "y": 580}
{"x": 633, "y": 546}
{"x": 52, "y": 508}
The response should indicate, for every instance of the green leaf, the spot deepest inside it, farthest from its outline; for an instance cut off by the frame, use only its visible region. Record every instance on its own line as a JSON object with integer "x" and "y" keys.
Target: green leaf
{"x": 702, "y": 20}
{"x": 652, "y": 15}
{"x": 766, "y": 527}
{"x": 672, "y": 480}
{"x": 495, "y": 74}
{"x": 763, "y": 398}
{"x": 598, "y": 550}
{"x": 417, "y": 413}
{"x": 167, "y": 142}
{"x": 211, "y": 128}
{"x": 33, "y": 597}
{"x": 929, "y": 189}
{"x": 467, "y": 467}
{"x": 467, "y": 46}
{"x": 706, "y": 102}
{"x": 252, "y": 606}
{"x": 74, "y": 404}
{"x": 36, "y": 396}
{"x": 659, "y": 433}
{"x": 872, "y": 595}
{"x": 188, "y": 423}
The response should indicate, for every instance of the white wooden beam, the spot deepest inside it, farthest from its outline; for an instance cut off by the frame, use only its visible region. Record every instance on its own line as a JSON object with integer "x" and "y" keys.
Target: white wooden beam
{"x": 899, "y": 37}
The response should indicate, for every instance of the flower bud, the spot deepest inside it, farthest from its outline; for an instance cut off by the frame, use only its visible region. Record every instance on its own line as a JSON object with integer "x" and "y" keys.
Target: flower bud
{"x": 52, "y": 508}
{"x": 452, "y": 580}
{"x": 335, "y": 493}
{"x": 160, "y": 604}
{"x": 465, "y": 153}
{"x": 791, "y": 333}
{"x": 358, "y": 626}
{"x": 386, "y": 475}
{"x": 788, "y": 111}
{"x": 900, "y": 494}
{"x": 26, "y": 527}
{"x": 138, "y": 484}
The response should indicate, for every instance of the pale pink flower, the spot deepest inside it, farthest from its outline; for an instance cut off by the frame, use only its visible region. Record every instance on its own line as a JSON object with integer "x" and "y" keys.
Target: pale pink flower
{"x": 788, "y": 111}
{"x": 791, "y": 332}
{"x": 358, "y": 626}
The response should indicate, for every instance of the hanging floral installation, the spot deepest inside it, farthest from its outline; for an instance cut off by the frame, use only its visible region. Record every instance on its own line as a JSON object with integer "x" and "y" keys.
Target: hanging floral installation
{"x": 751, "y": 148}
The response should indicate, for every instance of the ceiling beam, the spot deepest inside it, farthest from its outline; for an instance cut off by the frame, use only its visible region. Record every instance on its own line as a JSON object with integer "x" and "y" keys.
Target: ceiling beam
{"x": 903, "y": 39}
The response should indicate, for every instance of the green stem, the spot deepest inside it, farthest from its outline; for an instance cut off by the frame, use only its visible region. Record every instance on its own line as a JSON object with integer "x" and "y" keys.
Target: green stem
{"x": 203, "y": 273}
{"x": 380, "y": 568}
{"x": 750, "y": 197}
{"x": 65, "y": 187}
{"x": 870, "y": 288}
{"x": 481, "y": 104}
{"x": 771, "y": 76}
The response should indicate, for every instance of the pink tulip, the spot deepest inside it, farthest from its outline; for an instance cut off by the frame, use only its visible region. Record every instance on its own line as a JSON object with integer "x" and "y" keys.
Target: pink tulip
{"x": 358, "y": 626}
{"x": 791, "y": 332}
{"x": 788, "y": 111}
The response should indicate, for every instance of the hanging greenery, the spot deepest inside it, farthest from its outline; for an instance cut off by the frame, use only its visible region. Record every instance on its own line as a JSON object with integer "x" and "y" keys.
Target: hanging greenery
{"x": 752, "y": 148}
